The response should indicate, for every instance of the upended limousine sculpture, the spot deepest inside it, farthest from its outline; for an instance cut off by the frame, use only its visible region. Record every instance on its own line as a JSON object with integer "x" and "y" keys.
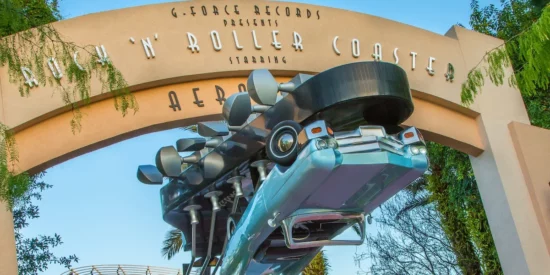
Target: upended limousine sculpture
{"x": 280, "y": 180}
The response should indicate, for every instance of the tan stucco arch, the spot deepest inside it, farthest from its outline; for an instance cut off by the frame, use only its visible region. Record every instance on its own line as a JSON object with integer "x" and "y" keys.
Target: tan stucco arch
{"x": 103, "y": 125}
{"x": 44, "y": 137}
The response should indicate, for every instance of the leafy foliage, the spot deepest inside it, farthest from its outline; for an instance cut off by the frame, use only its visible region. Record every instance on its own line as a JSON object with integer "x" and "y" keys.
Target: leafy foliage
{"x": 524, "y": 25}
{"x": 418, "y": 196}
{"x": 415, "y": 243}
{"x": 172, "y": 244}
{"x": 33, "y": 254}
{"x": 455, "y": 188}
{"x": 538, "y": 108}
{"x": 526, "y": 30}
{"x": 507, "y": 23}
{"x": 11, "y": 186}
{"x": 318, "y": 266}
{"x": 452, "y": 190}
{"x": 191, "y": 128}
{"x": 27, "y": 39}
{"x": 453, "y": 218}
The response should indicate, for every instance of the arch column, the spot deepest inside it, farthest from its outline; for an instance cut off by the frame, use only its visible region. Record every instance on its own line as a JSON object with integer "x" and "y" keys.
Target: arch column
{"x": 518, "y": 236}
{"x": 8, "y": 255}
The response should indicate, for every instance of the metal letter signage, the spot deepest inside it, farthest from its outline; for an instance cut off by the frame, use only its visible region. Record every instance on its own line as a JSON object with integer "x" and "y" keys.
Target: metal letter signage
{"x": 148, "y": 47}
{"x": 450, "y": 74}
{"x": 377, "y": 55}
{"x": 413, "y": 54}
{"x": 54, "y": 68}
{"x": 221, "y": 94}
{"x": 297, "y": 42}
{"x": 216, "y": 42}
{"x": 197, "y": 101}
{"x": 237, "y": 45}
{"x": 232, "y": 18}
{"x": 276, "y": 44}
{"x": 103, "y": 58}
{"x": 30, "y": 79}
{"x": 75, "y": 59}
{"x": 174, "y": 102}
{"x": 334, "y": 47}
{"x": 355, "y": 50}
{"x": 193, "y": 43}
{"x": 430, "y": 66}
{"x": 258, "y": 47}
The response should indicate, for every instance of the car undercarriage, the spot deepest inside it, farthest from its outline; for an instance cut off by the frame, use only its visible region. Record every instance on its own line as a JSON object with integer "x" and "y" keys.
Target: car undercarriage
{"x": 273, "y": 183}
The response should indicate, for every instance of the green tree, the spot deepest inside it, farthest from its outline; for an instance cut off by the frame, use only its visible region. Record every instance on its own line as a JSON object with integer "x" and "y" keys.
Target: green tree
{"x": 408, "y": 242}
{"x": 28, "y": 39}
{"x": 172, "y": 244}
{"x": 525, "y": 28}
{"x": 453, "y": 188}
{"x": 34, "y": 254}
{"x": 454, "y": 225}
{"x": 318, "y": 266}
{"x": 516, "y": 22}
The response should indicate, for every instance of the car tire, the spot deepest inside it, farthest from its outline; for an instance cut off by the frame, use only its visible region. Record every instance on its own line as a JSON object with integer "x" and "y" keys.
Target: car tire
{"x": 283, "y": 154}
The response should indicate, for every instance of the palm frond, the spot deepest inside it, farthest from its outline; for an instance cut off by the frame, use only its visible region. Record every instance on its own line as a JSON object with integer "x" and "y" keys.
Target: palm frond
{"x": 172, "y": 244}
{"x": 356, "y": 227}
{"x": 417, "y": 186}
{"x": 413, "y": 203}
{"x": 191, "y": 128}
{"x": 318, "y": 266}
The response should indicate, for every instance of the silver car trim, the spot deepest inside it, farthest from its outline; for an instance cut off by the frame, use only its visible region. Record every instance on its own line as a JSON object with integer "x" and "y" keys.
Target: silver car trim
{"x": 350, "y": 218}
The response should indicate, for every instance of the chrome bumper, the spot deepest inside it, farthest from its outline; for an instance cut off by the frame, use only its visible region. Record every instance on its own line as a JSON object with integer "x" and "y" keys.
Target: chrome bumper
{"x": 321, "y": 215}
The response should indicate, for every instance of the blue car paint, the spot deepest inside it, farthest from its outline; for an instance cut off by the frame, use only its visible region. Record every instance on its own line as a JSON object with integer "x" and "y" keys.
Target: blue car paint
{"x": 278, "y": 193}
{"x": 287, "y": 190}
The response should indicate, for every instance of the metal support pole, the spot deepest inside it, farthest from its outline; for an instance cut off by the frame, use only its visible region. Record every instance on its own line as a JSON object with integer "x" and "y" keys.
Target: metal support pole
{"x": 193, "y": 211}
{"x": 213, "y": 196}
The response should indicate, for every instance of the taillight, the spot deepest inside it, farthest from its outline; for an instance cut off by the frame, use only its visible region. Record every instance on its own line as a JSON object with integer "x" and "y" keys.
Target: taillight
{"x": 316, "y": 130}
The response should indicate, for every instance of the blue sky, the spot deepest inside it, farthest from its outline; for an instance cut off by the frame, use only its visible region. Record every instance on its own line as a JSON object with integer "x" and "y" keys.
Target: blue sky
{"x": 105, "y": 216}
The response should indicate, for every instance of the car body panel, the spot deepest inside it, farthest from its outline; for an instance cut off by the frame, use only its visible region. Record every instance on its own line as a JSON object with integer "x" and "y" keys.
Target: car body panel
{"x": 319, "y": 179}
{"x": 342, "y": 172}
{"x": 328, "y": 95}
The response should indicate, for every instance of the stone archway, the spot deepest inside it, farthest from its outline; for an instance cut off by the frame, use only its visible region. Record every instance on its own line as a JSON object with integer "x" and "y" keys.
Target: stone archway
{"x": 182, "y": 59}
